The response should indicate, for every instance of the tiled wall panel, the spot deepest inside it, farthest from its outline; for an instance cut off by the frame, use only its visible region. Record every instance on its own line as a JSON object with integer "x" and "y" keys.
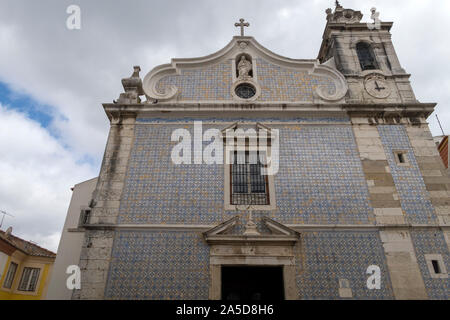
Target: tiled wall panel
{"x": 327, "y": 256}
{"x": 432, "y": 242}
{"x": 158, "y": 265}
{"x": 414, "y": 197}
{"x": 320, "y": 179}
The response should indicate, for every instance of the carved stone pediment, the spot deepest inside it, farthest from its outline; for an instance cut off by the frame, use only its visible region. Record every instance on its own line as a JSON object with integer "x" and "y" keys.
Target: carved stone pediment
{"x": 213, "y": 78}
{"x": 246, "y": 133}
{"x": 280, "y": 234}
{"x": 223, "y": 228}
{"x": 276, "y": 248}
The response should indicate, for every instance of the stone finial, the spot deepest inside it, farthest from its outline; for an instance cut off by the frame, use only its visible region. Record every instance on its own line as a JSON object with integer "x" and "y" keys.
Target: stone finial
{"x": 341, "y": 15}
{"x": 133, "y": 88}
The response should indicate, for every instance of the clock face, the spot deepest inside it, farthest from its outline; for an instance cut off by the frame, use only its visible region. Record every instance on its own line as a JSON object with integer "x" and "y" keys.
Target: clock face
{"x": 377, "y": 88}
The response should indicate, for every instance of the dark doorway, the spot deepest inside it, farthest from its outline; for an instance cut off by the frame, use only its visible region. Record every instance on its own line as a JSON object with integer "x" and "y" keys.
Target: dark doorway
{"x": 252, "y": 283}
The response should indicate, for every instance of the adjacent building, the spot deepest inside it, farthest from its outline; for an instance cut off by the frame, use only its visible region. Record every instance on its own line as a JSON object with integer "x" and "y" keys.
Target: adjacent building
{"x": 71, "y": 241}
{"x": 25, "y": 268}
{"x": 442, "y": 145}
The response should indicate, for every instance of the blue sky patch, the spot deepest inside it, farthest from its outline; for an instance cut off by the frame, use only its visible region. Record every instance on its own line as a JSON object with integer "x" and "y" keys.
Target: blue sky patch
{"x": 24, "y": 104}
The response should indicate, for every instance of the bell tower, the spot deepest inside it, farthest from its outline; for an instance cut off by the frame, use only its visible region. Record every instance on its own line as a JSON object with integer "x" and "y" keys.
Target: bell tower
{"x": 365, "y": 55}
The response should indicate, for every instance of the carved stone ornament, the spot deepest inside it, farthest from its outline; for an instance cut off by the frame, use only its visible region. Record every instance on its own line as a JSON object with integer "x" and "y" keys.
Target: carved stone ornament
{"x": 133, "y": 88}
{"x": 244, "y": 68}
{"x": 377, "y": 86}
{"x": 341, "y": 15}
{"x": 243, "y": 45}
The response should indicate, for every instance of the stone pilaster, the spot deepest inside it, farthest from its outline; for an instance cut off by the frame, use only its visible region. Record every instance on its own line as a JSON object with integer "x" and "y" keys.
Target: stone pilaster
{"x": 382, "y": 192}
{"x": 94, "y": 264}
{"x": 345, "y": 58}
{"x": 393, "y": 58}
{"x": 96, "y": 250}
{"x": 406, "y": 279}
{"x": 112, "y": 174}
{"x": 434, "y": 173}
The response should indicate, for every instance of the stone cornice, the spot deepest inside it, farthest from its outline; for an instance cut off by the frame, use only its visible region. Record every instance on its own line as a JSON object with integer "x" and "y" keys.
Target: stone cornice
{"x": 357, "y": 109}
{"x": 383, "y": 110}
{"x": 296, "y": 227}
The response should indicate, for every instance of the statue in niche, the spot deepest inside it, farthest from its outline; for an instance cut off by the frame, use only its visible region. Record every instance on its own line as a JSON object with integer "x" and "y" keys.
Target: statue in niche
{"x": 244, "y": 68}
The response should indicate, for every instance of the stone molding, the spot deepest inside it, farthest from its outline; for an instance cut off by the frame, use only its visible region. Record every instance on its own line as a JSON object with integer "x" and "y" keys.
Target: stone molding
{"x": 274, "y": 249}
{"x": 254, "y": 49}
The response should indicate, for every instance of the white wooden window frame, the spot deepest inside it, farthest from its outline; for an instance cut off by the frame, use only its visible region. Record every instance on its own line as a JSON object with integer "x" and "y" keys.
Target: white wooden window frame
{"x": 29, "y": 282}
{"x": 9, "y": 280}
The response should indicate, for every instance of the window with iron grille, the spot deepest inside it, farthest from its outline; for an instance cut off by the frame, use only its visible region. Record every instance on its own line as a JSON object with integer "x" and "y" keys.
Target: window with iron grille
{"x": 248, "y": 185}
{"x": 29, "y": 279}
{"x": 366, "y": 56}
{"x": 10, "y": 275}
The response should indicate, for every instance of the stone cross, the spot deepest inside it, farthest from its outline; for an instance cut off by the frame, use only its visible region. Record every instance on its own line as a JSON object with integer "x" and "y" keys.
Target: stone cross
{"x": 242, "y": 24}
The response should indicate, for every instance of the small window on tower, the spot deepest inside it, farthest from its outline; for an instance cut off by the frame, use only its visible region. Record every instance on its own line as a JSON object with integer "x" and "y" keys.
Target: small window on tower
{"x": 400, "y": 158}
{"x": 436, "y": 268}
{"x": 366, "y": 56}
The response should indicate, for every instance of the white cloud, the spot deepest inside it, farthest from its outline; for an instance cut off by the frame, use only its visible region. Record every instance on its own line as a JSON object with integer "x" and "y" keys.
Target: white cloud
{"x": 36, "y": 174}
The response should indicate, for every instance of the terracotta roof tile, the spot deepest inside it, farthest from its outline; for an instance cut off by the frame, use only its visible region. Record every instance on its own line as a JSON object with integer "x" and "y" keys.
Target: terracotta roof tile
{"x": 28, "y": 247}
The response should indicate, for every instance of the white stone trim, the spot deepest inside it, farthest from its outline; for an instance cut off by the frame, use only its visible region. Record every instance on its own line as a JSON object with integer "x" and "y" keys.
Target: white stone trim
{"x": 255, "y": 50}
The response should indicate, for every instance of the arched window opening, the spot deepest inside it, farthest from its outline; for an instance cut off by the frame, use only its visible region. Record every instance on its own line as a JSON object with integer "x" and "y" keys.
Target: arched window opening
{"x": 366, "y": 56}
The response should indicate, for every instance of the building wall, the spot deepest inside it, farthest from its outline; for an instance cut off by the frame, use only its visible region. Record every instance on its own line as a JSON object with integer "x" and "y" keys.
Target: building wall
{"x": 414, "y": 197}
{"x": 325, "y": 257}
{"x": 443, "y": 151}
{"x": 3, "y": 261}
{"x": 432, "y": 242}
{"x": 320, "y": 179}
{"x": 332, "y": 172}
{"x": 158, "y": 265}
{"x": 71, "y": 241}
{"x": 339, "y": 184}
{"x": 322, "y": 173}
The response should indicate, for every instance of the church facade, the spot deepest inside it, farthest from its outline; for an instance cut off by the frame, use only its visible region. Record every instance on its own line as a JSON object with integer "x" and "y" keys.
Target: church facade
{"x": 346, "y": 198}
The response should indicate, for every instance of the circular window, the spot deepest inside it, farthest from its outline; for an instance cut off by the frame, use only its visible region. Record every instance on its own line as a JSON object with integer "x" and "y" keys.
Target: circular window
{"x": 245, "y": 91}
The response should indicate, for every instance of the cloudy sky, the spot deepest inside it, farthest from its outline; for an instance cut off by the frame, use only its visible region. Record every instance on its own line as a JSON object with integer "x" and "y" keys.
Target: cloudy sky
{"x": 53, "y": 80}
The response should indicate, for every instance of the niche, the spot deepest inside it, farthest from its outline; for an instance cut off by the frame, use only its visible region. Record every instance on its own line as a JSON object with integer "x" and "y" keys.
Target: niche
{"x": 244, "y": 66}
